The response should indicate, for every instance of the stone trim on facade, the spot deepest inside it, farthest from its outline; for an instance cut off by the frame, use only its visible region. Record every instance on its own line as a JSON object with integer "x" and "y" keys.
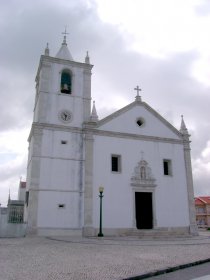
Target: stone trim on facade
{"x": 50, "y": 59}
{"x": 142, "y": 180}
{"x": 147, "y": 107}
{"x": 88, "y": 186}
{"x": 134, "y": 136}
{"x": 190, "y": 190}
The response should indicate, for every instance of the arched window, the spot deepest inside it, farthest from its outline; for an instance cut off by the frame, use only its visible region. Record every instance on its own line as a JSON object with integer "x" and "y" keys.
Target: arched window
{"x": 66, "y": 82}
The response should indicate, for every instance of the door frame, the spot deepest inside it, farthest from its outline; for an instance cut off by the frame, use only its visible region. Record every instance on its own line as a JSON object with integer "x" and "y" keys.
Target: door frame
{"x": 148, "y": 190}
{"x": 142, "y": 209}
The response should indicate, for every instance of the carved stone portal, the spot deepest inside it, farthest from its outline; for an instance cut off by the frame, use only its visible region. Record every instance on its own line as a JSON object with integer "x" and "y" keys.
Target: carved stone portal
{"x": 142, "y": 181}
{"x": 142, "y": 175}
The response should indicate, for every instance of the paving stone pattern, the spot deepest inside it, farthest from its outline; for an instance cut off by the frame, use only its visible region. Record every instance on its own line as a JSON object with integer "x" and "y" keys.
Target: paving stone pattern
{"x": 66, "y": 258}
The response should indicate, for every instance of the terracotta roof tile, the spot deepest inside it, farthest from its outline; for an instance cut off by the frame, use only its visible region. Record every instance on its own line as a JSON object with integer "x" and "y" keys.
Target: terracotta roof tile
{"x": 202, "y": 200}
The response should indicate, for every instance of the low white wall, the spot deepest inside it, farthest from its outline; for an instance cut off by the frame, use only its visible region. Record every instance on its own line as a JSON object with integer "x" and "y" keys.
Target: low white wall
{"x": 9, "y": 229}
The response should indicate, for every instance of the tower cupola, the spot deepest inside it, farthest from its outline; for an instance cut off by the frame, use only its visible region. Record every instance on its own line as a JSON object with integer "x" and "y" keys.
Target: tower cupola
{"x": 64, "y": 52}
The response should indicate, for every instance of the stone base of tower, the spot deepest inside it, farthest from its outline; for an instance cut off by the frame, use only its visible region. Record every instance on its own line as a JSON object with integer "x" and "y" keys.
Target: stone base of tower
{"x": 55, "y": 232}
{"x": 194, "y": 230}
{"x": 89, "y": 232}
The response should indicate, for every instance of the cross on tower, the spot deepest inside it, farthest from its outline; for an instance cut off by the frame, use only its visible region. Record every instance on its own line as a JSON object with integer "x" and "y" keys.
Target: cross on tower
{"x": 138, "y": 90}
{"x": 64, "y": 39}
{"x": 65, "y": 33}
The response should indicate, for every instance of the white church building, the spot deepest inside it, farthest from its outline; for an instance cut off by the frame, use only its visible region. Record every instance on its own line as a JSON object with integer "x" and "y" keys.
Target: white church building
{"x": 140, "y": 159}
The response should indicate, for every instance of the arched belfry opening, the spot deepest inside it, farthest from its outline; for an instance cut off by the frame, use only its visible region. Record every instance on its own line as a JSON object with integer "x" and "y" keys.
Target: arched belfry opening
{"x": 66, "y": 82}
{"x": 143, "y": 185}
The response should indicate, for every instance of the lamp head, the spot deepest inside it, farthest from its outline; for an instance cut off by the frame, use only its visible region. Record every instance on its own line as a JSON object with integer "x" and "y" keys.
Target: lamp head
{"x": 101, "y": 189}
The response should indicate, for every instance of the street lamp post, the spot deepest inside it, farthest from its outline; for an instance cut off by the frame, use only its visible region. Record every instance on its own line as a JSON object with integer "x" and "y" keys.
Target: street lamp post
{"x": 101, "y": 190}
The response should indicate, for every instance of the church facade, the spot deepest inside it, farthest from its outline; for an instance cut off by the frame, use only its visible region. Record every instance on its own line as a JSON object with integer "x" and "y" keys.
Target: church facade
{"x": 140, "y": 159}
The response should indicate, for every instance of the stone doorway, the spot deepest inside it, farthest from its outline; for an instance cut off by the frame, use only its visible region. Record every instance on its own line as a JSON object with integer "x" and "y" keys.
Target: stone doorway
{"x": 144, "y": 210}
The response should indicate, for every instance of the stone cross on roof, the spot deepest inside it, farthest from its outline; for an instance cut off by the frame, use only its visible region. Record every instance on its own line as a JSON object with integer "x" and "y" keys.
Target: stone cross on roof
{"x": 138, "y": 97}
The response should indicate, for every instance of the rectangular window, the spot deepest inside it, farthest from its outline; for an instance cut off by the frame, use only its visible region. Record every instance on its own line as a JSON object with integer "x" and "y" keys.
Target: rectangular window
{"x": 116, "y": 163}
{"x": 167, "y": 170}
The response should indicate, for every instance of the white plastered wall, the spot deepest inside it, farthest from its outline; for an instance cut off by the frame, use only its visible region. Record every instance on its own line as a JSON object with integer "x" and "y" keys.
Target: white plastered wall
{"x": 170, "y": 192}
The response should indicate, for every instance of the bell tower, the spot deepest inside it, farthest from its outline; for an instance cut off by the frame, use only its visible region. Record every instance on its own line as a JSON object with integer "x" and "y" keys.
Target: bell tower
{"x": 55, "y": 170}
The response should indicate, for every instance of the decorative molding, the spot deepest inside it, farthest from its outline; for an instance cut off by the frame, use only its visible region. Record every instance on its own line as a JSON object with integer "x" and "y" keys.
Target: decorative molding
{"x": 54, "y": 190}
{"x": 60, "y": 158}
{"x": 58, "y": 127}
{"x": 142, "y": 180}
{"x": 89, "y": 127}
{"x": 148, "y": 108}
{"x": 142, "y": 176}
{"x": 48, "y": 60}
{"x": 65, "y": 62}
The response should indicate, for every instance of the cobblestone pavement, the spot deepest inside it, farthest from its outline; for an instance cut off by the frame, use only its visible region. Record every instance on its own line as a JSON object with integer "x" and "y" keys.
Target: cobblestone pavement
{"x": 66, "y": 258}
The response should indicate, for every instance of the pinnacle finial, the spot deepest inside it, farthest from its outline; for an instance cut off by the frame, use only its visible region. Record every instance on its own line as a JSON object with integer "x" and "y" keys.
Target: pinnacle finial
{"x": 94, "y": 116}
{"x": 87, "y": 58}
{"x": 183, "y": 128}
{"x": 47, "y": 51}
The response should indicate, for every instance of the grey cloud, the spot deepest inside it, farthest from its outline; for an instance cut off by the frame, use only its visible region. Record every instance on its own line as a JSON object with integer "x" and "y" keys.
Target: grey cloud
{"x": 203, "y": 8}
{"x": 167, "y": 84}
{"x": 201, "y": 185}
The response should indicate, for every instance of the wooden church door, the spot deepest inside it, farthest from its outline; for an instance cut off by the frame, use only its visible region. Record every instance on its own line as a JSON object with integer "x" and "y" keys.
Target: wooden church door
{"x": 144, "y": 212}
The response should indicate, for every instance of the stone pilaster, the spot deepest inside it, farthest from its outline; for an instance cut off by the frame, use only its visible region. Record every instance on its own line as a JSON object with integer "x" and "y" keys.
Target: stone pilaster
{"x": 87, "y": 92}
{"x": 189, "y": 177}
{"x": 190, "y": 191}
{"x": 88, "y": 191}
{"x": 33, "y": 177}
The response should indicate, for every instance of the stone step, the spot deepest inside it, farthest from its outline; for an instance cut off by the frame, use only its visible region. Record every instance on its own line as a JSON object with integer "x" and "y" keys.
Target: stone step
{"x": 156, "y": 233}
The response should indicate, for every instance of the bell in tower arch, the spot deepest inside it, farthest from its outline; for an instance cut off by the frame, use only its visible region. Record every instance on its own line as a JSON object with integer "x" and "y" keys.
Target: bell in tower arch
{"x": 66, "y": 82}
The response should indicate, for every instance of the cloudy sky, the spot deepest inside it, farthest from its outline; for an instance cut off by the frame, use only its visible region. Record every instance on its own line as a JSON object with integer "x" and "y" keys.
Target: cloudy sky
{"x": 161, "y": 45}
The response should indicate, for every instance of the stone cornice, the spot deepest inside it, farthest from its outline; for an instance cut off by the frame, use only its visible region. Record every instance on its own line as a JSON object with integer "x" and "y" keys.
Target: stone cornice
{"x": 131, "y": 136}
{"x": 63, "y": 94}
{"x": 41, "y": 126}
{"x": 54, "y": 190}
{"x": 60, "y": 158}
{"x": 49, "y": 59}
{"x": 92, "y": 129}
